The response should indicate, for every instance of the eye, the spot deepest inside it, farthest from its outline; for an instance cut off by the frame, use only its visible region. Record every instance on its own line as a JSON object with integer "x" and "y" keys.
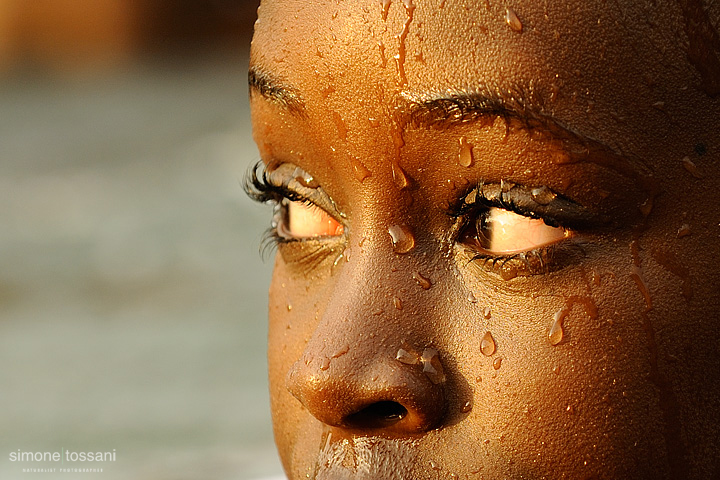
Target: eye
{"x": 497, "y": 232}
{"x": 302, "y": 220}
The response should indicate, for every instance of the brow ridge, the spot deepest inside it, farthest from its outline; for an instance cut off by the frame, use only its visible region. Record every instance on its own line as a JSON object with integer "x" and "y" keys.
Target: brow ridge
{"x": 276, "y": 91}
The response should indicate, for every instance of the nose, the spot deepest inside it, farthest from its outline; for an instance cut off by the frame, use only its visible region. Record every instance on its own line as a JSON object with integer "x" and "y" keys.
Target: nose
{"x": 367, "y": 390}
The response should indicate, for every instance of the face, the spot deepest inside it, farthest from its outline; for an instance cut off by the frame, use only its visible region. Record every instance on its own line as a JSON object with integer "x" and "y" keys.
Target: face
{"x": 497, "y": 228}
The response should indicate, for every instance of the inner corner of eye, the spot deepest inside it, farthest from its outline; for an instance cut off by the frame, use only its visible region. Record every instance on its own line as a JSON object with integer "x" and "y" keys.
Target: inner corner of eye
{"x": 505, "y": 232}
{"x": 307, "y": 221}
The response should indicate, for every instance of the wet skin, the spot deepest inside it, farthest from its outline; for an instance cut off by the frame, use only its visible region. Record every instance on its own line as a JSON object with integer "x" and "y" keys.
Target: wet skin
{"x": 600, "y": 120}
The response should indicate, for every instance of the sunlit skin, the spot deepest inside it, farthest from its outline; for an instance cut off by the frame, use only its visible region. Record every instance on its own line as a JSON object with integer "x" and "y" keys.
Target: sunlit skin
{"x": 593, "y": 134}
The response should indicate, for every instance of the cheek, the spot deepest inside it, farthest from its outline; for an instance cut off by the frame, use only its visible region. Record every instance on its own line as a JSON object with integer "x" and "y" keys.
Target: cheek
{"x": 545, "y": 402}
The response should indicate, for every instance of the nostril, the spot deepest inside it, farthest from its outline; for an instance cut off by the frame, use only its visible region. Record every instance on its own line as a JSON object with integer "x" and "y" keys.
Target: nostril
{"x": 377, "y": 415}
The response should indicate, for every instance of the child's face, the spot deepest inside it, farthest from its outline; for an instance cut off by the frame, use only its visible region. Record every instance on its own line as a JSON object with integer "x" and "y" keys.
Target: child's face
{"x": 509, "y": 270}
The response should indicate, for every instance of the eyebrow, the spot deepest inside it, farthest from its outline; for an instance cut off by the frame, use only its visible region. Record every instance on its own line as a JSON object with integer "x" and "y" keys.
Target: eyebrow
{"x": 464, "y": 105}
{"x": 276, "y": 91}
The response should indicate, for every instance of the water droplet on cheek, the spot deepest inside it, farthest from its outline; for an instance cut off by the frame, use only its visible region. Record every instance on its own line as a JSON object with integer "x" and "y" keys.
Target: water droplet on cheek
{"x": 487, "y": 345}
{"x": 684, "y": 231}
{"x": 402, "y": 238}
{"x": 555, "y": 335}
{"x": 340, "y": 125}
{"x": 636, "y": 275}
{"x": 471, "y": 298}
{"x": 398, "y": 303}
{"x": 424, "y": 283}
{"x": 487, "y": 313}
{"x": 497, "y": 363}
{"x": 690, "y": 166}
{"x": 465, "y": 157}
{"x": 513, "y": 21}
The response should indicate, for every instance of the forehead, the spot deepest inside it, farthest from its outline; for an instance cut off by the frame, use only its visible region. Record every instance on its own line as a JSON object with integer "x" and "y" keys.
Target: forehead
{"x": 568, "y": 56}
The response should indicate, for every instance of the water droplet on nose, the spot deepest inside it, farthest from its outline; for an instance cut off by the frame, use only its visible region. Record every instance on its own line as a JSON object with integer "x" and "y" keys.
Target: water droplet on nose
{"x": 513, "y": 21}
{"x": 402, "y": 238}
{"x": 398, "y": 303}
{"x": 465, "y": 157}
{"x": 487, "y": 345}
{"x": 555, "y": 335}
{"x": 684, "y": 231}
{"x": 289, "y": 307}
{"x": 497, "y": 363}
{"x": 408, "y": 358}
{"x": 432, "y": 368}
{"x": 542, "y": 195}
{"x": 341, "y": 351}
{"x": 425, "y": 283}
{"x": 340, "y": 125}
{"x": 359, "y": 170}
{"x": 487, "y": 313}
{"x": 690, "y": 166}
{"x": 324, "y": 363}
{"x": 467, "y": 407}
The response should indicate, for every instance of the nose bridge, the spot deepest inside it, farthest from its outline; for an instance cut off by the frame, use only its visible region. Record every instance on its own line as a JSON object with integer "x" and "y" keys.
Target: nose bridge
{"x": 367, "y": 353}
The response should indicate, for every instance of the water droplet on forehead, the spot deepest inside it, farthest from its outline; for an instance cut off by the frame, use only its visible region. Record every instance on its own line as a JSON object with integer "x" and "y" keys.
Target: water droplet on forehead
{"x": 359, "y": 169}
{"x": 402, "y": 238}
{"x": 385, "y": 9}
{"x": 465, "y": 157}
{"x": 542, "y": 195}
{"x": 487, "y": 345}
{"x": 399, "y": 176}
{"x": 513, "y": 21}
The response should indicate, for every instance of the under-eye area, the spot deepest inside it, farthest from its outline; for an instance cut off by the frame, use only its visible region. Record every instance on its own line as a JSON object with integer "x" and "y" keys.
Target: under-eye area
{"x": 513, "y": 230}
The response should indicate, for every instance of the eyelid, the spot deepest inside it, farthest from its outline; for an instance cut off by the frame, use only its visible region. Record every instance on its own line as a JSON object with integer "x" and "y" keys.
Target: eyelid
{"x": 298, "y": 185}
{"x": 534, "y": 202}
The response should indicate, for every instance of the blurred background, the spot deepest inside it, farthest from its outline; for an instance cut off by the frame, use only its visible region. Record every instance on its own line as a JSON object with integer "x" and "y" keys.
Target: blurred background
{"x": 132, "y": 295}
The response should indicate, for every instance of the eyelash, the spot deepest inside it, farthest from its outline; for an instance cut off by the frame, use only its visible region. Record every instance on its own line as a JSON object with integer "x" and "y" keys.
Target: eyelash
{"x": 258, "y": 187}
{"x": 532, "y": 262}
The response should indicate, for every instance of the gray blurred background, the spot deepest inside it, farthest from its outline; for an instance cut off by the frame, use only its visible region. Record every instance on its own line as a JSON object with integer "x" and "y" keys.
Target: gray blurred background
{"x": 132, "y": 295}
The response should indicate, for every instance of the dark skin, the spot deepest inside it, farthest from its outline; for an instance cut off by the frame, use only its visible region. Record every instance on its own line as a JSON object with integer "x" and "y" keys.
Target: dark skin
{"x": 595, "y": 127}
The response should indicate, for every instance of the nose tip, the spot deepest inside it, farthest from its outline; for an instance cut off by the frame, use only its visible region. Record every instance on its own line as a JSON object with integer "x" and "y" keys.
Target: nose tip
{"x": 382, "y": 396}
